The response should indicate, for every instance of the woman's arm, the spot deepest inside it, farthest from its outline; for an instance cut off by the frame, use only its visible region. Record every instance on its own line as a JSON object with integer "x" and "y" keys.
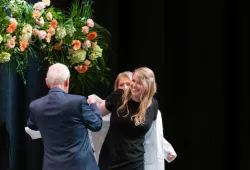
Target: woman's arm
{"x": 100, "y": 104}
{"x": 169, "y": 152}
{"x": 102, "y": 108}
{"x": 166, "y": 148}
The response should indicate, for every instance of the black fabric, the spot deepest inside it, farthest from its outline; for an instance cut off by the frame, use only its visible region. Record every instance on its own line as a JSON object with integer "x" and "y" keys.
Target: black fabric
{"x": 123, "y": 146}
{"x": 14, "y": 100}
{"x": 112, "y": 99}
{"x": 4, "y": 147}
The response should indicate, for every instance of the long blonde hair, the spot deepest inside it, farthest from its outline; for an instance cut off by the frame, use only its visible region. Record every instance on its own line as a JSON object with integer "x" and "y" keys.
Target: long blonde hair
{"x": 147, "y": 78}
{"x": 127, "y": 74}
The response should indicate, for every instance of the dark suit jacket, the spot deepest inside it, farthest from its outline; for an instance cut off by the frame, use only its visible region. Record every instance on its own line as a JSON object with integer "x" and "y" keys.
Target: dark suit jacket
{"x": 63, "y": 120}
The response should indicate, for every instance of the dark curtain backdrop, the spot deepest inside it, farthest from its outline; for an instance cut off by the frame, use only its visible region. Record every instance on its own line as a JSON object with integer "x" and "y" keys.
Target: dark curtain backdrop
{"x": 199, "y": 53}
{"x": 207, "y": 83}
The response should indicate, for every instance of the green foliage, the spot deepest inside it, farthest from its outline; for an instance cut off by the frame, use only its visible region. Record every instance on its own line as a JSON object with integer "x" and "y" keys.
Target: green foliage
{"x": 27, "y": 30}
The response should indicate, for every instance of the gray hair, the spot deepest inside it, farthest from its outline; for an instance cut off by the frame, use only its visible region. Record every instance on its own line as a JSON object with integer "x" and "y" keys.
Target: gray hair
{"x": 57, "y": 74}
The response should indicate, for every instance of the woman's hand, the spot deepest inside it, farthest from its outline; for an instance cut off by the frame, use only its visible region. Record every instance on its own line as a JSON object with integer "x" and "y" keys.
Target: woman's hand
{"x": 171, "y": 157}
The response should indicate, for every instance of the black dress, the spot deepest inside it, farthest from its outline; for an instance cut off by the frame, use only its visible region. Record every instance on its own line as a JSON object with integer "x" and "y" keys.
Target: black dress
{"x": 123, "y": 146}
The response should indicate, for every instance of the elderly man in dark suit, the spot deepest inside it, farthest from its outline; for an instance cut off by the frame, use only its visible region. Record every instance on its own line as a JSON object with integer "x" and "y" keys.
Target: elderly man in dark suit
{"x": 63, "y": 120}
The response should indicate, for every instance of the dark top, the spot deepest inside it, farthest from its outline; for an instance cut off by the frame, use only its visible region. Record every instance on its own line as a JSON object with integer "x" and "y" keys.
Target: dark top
{"x": 123, "y": 146}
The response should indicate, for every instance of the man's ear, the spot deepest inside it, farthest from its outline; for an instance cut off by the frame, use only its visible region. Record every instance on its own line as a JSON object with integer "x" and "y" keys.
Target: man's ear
{"x": 46, "y": 81}
{"x": 67, "y": 83}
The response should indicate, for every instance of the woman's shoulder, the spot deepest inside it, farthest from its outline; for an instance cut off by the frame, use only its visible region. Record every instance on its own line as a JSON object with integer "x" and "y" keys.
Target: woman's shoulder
{"x": 154, "y": 102}
{"x": 155, "y": 107}
{"x": 118, "y": 92}
{"x": 112, "y": 99}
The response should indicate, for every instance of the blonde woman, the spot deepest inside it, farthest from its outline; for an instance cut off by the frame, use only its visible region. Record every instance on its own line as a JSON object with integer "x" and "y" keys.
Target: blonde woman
{"x": 133, "y": 112}
{"x": 123, "y": 81}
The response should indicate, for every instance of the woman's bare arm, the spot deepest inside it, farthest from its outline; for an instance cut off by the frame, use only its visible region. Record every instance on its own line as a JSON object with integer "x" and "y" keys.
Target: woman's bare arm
{"x": 100, "y": 104}
{"x": 103, "y": 109}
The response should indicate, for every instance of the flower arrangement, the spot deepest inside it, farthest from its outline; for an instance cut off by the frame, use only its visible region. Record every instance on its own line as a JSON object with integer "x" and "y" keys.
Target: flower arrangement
{"x": 49, "y": 34}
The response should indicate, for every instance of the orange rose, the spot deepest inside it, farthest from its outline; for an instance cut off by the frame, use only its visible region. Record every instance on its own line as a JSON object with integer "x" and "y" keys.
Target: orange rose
{"x": 36, "y": 14}
{"x": 23, "y": 45}
{"x": 92, "y": 36}
{"x": 57, "y": 47}
{"x": 82, "y": 69}
{"x": 52, "y": 31}
{"x": 11, "y": 28}
{"x": 76, "y": 44}
{"x": 48, "y": 38}
{"x": 53, "y": 24}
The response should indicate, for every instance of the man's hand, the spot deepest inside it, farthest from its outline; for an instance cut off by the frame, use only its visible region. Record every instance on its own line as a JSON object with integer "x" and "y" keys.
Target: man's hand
{"x": 92, "y": 99}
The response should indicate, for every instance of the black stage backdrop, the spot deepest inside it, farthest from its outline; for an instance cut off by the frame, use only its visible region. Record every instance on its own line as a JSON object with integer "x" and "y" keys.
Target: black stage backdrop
{"x": 199, "y": 53}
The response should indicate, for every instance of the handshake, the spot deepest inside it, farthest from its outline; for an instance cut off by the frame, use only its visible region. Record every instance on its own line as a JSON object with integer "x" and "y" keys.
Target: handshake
{"x": 94, "y": 99}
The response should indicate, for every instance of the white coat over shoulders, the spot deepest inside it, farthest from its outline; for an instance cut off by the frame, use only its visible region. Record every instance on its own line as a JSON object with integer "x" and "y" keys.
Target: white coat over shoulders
{"x": 156, "y": 146}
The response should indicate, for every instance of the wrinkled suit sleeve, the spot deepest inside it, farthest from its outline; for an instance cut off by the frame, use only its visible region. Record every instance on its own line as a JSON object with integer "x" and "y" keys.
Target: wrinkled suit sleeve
{"x": 91, "y": 116}
{"x": 31, "y": 120}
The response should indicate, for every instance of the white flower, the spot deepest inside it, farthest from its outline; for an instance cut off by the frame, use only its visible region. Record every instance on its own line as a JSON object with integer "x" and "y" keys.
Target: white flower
{"x": 26, "y": 33}
{"x": 70, "y": 30}
{"x": 60, "y": 33}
